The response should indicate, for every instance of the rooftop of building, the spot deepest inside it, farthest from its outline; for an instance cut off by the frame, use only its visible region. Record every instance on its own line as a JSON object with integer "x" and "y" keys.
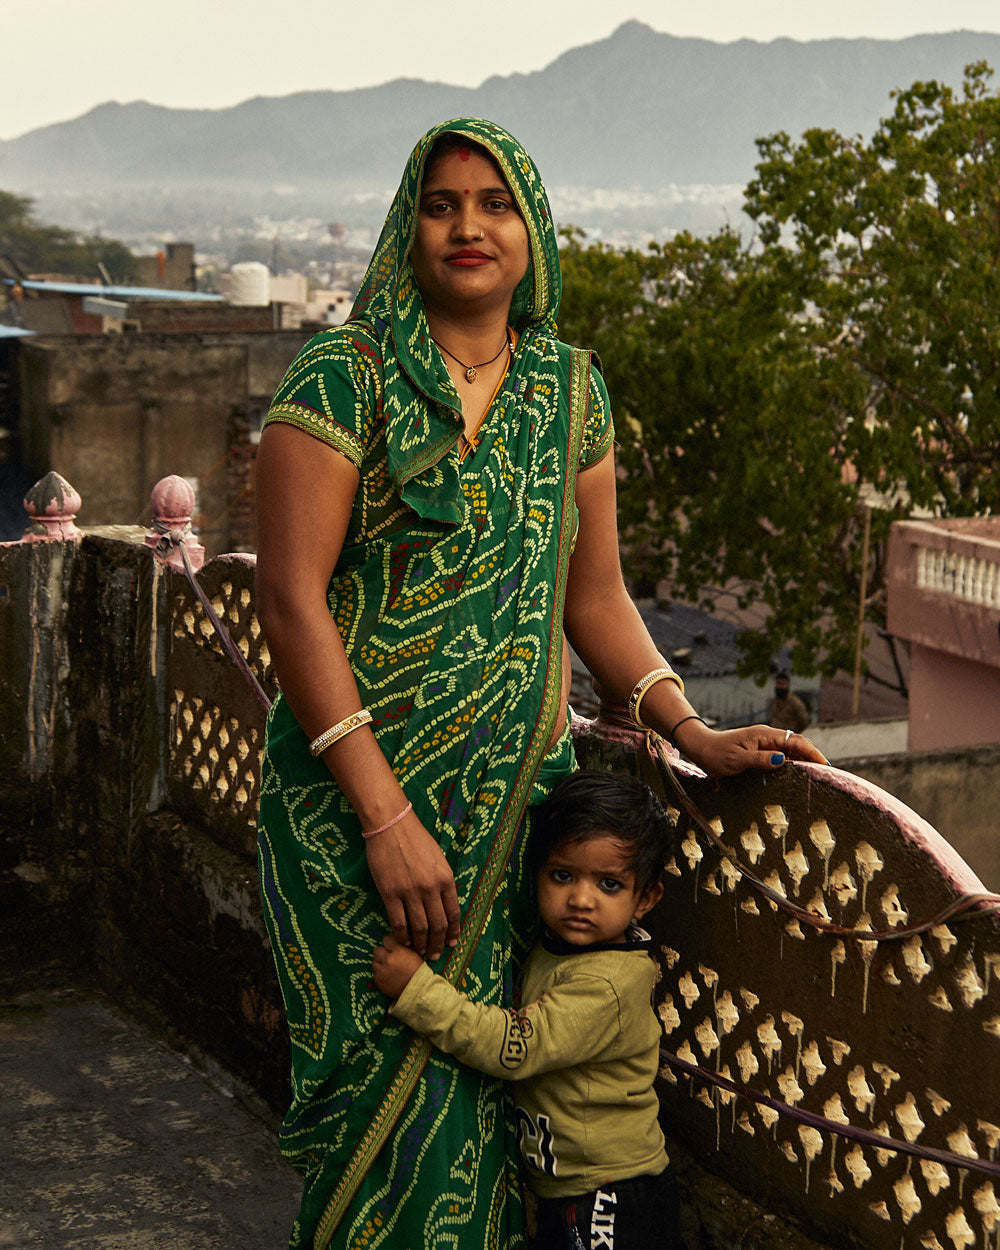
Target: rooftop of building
{"x": 113, "y": 291}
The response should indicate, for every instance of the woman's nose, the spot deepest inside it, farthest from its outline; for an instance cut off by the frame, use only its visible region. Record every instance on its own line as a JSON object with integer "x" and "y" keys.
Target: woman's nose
{"x": 466, "y": 222}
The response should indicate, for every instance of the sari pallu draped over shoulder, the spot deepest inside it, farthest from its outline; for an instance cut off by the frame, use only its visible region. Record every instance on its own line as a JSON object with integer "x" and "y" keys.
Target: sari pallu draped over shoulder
{"x": 452, "y": 620}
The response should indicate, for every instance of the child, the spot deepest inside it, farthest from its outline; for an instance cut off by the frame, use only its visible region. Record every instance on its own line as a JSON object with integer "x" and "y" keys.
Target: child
{"x": 584, "y": 1048}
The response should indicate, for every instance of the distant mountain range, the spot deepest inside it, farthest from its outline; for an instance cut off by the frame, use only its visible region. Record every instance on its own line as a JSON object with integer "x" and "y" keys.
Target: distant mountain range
{"x": 636, "y": 110}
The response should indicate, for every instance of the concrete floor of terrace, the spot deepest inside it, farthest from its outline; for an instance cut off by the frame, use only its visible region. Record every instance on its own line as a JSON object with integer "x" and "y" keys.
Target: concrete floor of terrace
{"x": 111, "y": 1141}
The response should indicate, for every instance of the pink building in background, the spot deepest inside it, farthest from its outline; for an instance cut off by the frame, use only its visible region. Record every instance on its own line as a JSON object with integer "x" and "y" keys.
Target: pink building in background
{"x": 944, "y": 598}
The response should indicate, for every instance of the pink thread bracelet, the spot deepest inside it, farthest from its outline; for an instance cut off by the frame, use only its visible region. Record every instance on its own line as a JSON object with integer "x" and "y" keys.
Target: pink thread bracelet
{"x": 371, "y": 833}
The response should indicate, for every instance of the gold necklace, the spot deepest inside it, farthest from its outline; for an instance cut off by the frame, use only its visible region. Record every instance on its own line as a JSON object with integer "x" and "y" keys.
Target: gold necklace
{"x": 472, "y": 371}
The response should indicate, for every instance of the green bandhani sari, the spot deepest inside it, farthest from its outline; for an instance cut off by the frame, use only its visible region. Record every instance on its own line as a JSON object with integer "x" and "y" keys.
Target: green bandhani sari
{"x": 449, "y": 597}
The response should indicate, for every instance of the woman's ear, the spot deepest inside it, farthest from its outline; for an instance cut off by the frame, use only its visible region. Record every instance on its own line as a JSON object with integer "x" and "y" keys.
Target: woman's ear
{"x": 649, "y": 897}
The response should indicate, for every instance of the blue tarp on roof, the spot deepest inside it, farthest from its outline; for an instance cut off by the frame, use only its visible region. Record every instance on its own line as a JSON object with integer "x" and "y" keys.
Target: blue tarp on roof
{"x": 116, "y": 292}
{"x": 13, "y": 332}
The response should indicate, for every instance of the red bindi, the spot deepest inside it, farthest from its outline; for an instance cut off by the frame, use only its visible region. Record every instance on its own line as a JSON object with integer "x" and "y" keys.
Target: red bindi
{"x": 464, "y": 154}
{"x": 466, "y": 190}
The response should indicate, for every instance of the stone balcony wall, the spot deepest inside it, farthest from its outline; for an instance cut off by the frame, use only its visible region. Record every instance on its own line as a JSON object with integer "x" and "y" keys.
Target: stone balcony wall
{"x": 825, "y": 968}
{"x": 126, "y": 853}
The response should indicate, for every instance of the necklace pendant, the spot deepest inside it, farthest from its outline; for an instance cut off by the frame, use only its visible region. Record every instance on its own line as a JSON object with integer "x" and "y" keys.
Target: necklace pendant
{"x": 471, "y": 373}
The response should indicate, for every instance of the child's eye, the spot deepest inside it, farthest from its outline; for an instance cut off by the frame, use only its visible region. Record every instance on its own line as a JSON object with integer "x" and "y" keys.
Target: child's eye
{"x": 610, "y": 886}
{"x": 560, "y": 876}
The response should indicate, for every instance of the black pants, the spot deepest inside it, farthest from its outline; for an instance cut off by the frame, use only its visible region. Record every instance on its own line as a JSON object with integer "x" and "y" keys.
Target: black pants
{"x": 642, "y": 1213}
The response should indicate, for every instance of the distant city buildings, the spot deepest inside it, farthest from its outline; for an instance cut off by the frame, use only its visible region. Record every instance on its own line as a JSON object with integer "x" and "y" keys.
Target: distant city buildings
{"x": 116, "y": 386}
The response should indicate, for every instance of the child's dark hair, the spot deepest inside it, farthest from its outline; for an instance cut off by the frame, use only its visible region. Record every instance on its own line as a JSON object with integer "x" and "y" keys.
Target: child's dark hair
{"x": 591, "y": 804}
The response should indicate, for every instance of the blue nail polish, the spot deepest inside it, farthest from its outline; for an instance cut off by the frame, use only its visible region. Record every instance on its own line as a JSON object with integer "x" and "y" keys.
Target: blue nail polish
{"x": 777, "y": 758}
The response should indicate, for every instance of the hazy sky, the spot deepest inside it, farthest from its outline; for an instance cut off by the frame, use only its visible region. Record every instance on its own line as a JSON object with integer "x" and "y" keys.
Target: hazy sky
{"x": 61, "y": 57}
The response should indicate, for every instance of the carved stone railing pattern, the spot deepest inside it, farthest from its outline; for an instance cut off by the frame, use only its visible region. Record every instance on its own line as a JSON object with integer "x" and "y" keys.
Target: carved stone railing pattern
{"x": 899, "y": 1038}
{"x": 216, "y": 725}
{"x": 970, "y": 577}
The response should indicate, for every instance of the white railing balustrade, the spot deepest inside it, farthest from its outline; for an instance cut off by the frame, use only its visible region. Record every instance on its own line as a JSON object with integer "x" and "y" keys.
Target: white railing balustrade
{"x": 973, "y": 578}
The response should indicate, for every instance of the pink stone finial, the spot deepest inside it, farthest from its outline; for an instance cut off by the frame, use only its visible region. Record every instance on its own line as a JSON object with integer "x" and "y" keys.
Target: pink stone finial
{"x": 173, "y": 501}
{"x": 52, "y": 505}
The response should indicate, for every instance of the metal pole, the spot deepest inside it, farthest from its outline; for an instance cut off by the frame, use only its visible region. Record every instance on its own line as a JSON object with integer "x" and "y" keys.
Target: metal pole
{"x": 865, "y": 544}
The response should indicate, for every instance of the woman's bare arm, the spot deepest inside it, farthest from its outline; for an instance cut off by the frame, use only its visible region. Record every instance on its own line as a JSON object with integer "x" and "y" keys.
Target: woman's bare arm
{"x": 305, "y": 491}
{"x": 608, "y": 634}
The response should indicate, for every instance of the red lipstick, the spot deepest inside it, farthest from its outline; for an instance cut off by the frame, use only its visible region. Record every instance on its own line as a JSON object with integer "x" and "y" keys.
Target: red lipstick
{"x": 467, "y": 257}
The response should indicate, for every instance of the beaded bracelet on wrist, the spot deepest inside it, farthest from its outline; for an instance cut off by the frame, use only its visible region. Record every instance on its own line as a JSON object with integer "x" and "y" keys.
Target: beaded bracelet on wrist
{"x": 373, "y": 833}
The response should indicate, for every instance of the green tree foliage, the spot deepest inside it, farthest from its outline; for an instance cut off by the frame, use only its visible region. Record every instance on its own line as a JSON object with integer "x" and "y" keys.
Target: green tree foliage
{"x": 38, "y": 248}
{"x": 766, "y": 390}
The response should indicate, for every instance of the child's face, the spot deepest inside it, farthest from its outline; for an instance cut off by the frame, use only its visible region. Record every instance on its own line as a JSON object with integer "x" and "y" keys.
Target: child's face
{"x": 587, "y": 893}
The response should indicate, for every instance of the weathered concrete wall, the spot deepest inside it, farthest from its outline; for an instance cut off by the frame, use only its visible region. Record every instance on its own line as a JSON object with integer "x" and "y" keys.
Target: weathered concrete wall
{"x": 46, "y": 869}
{"x": 172, "y": 317}
{"x": 172, "y": 268}
{"x": 268, "y": 356}
{"x": 955, "y": 791}
{"x": 97, "y": 875}
{"x": 115, "y": 414}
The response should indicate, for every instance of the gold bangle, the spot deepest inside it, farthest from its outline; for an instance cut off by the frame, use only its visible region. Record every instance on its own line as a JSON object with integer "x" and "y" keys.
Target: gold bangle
{"x": 340, "y": 730}
{"x": 646, "y": 683}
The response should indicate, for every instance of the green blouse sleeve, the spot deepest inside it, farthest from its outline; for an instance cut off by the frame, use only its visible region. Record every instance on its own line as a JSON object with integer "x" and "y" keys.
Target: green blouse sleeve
{"x": 599, "y": 433}
{"x": 332, "y": 390}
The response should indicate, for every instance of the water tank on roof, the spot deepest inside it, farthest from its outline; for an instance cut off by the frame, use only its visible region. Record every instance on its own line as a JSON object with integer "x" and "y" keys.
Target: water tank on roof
{"x": 250, "y": 285}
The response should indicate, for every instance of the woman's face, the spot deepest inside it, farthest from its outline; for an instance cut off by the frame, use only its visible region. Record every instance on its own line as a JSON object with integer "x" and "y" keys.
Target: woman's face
{"x": 471, "y": 245}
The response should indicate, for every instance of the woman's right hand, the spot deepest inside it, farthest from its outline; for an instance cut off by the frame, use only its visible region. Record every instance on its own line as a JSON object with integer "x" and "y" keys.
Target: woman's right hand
{"x": 417, "y": 886}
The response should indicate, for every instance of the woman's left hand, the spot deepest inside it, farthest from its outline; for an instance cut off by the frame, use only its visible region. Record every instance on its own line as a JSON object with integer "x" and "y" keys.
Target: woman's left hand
{"x": 723, "y": 752}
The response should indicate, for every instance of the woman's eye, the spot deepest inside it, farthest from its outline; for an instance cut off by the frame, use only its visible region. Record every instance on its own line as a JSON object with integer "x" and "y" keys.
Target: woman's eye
{"x": 497, "y": 206}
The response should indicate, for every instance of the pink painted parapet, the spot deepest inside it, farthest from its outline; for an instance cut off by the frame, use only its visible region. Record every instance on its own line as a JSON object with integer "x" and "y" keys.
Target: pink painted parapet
{"x": 829, "y": 993}
{"x": 173, "y": 503}
{"x": 944, "y": 597}
{"x": 52, "y": 505}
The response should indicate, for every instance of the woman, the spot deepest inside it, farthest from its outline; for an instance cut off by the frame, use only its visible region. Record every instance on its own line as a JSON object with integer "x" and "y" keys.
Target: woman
{"x": 436, "y": 505}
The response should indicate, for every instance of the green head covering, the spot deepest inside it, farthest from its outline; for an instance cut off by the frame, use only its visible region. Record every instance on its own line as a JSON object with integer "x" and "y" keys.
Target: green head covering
{"x": 536, "y": 300}
{"x": 420, "y": 433}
